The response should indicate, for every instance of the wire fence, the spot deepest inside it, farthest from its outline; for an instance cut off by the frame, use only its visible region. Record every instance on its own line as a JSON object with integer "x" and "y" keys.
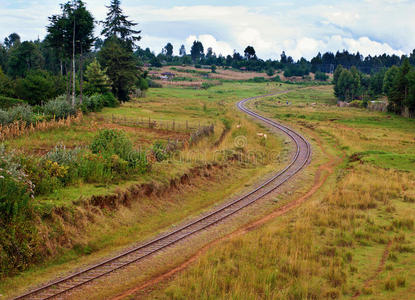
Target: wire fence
{"x": 171, "y": 125}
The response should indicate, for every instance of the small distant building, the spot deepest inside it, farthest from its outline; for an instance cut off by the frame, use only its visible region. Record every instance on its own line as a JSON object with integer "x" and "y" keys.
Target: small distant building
{"x": 167, "y": 76}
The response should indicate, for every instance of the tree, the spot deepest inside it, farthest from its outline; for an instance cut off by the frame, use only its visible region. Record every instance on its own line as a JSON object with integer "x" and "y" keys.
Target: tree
{"x": 250, "y": 53}
{"x": 390, "y": 75}
{"x": 321, "y": 76}
{"x": 398, "y": 94}
{"x": 24, "y": 57}
{"x": 213, "y": 68}
{"x": 283, "y": 58}
{"x": 121, "y": 67}
{"x": 71, "y": 34}
{"x": 6, "y": 85}
{"x": 97, "y": 79}
{"x": 376, "y": 82}
{"x": 345, "y": 86}
{"x": 197, "y": 51}
{"x": 38, "y": 86}
{"x": 209, "y": 53}
{"x": 12, "y": 40}
{"x": 169, "y": 50}
{"x": 117, "y": 24}
{"x": 337, "y": 73}
{"x": 182, "y": 51}
{"x": 410, "y": 101}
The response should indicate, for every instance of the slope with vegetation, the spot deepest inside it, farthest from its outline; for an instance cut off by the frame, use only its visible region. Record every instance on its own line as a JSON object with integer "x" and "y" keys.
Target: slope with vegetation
{"x": 96, "y": 192}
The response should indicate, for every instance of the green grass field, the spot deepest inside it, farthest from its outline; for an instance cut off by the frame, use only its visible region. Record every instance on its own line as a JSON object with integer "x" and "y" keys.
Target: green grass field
{"x": 77, "y": 234}
{"x": 332, "y": 246}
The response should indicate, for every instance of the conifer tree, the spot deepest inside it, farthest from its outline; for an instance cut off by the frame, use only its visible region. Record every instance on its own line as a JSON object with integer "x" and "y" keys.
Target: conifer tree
{"x": 97, "y": 79}
{"x": 117, "y": 24}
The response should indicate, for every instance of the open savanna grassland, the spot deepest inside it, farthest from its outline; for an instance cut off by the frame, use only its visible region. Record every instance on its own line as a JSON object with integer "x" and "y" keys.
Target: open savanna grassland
{"x": 352, "y": 237}
{"x": 76, "y": 233}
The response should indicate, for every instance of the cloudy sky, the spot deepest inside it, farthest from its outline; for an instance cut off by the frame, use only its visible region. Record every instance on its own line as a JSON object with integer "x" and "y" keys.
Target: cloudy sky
{"x": 301, "y": 28}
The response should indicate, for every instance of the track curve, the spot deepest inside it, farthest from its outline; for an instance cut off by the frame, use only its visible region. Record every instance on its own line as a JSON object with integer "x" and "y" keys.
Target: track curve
{"x": 299, "y": 160}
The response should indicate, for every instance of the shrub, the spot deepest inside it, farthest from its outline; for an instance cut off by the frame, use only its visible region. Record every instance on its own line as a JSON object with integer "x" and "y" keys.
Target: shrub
{"x": 15, "y": 188}
{"x": 39, "y": 86}
{"x": 63, "y": 156}
{"x": 138, "y": 161}
{"x": 59, "y": 108}
{"x": 21, "y": 113}
{"x": 159, "y": 151}
{"x": 270, "y": 72}
{"x": 111, "y": 141}
{"x": 277, "y": 78}
{"x": 258, "y": 79}
{"x": 4, "y": 117}
{"x": 92, "y": 104}
{"x": 154, "y": 85}
{"x": 6, "y": 102}
{"x": 321, "y": 76}
{"x": 357, "y": 103}
{"x": 207, "y": 85}
{"x": 109, "y": 100}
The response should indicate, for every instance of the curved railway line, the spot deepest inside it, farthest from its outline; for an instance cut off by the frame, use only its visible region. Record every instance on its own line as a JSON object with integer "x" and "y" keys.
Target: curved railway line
{"x": 299, "y": 160}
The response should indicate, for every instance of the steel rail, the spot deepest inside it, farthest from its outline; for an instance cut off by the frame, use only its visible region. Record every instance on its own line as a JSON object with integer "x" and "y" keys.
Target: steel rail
{"x": 52, "y": 290}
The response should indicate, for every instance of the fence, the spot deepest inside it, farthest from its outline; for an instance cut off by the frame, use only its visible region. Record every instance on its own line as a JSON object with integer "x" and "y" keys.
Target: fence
{"x": 19, "y": 128}
{"x": 171, "y": 125}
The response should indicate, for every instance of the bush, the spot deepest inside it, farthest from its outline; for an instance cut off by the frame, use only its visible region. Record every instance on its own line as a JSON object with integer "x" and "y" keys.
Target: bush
{"x": 6, "y": 102}
{"x": 276, "y": 78}
{"x": 109, "y": 100}
{"x": 38, "y": 86}
{"x": 207, "y": 85}
{"x": 159, "y": 151}
{"x": 321, "y": 76}
{"x": 111, "y": 141}
{"x": 92, "y": 104}
{"x": 15, "y": 188}
{"x": 59, "y": 108}
{"x": 258, "y": 80}
{"x": 4, "y": 117}
{"x": 357, "y": 103}
{"x": 270, "y": 72}
{"x": 63, "y": 156}
{"x": 154, "y": 85}
{"x": 21, "y": 113}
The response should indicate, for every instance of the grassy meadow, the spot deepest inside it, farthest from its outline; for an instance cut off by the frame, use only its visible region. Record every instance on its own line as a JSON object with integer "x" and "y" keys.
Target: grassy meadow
{"x": 78, "y": 233}
{"x": 353, "y": 237}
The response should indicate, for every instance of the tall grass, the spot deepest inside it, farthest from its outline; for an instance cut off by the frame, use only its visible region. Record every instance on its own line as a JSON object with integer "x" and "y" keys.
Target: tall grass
{"x": 309, "y": 255}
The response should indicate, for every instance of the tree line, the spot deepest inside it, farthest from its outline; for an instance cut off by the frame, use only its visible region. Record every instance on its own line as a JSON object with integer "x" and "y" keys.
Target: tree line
{"x": 397, "y": 83}
{"x": 71, "y": 60}
{"x": 321, "y": 63}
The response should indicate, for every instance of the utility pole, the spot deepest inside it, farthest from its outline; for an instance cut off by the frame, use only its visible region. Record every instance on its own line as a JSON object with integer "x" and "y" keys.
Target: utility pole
{"x": 73, "y": 56}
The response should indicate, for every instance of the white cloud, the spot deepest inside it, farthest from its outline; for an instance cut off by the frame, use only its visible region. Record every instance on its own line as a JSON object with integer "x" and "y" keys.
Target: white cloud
{"x": 219, "y": 47}
{"x": 369, "y": 26}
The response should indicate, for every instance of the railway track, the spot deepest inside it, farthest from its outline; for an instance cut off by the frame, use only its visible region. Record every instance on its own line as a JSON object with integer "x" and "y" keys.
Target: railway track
{"x": 300, "y": 158}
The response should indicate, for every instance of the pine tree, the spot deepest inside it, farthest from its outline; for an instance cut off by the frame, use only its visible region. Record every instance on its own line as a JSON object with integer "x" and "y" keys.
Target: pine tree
{"x": 398, "y": 93}
{"x": 121, "y": 67}
{"x": 117, "y": 24}
{"x": 97, "y": 79}
{"x": 182, "y": 51}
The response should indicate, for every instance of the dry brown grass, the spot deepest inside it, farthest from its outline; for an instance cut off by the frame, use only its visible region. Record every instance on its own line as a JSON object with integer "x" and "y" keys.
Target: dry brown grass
{"x": 18, "y": 128}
